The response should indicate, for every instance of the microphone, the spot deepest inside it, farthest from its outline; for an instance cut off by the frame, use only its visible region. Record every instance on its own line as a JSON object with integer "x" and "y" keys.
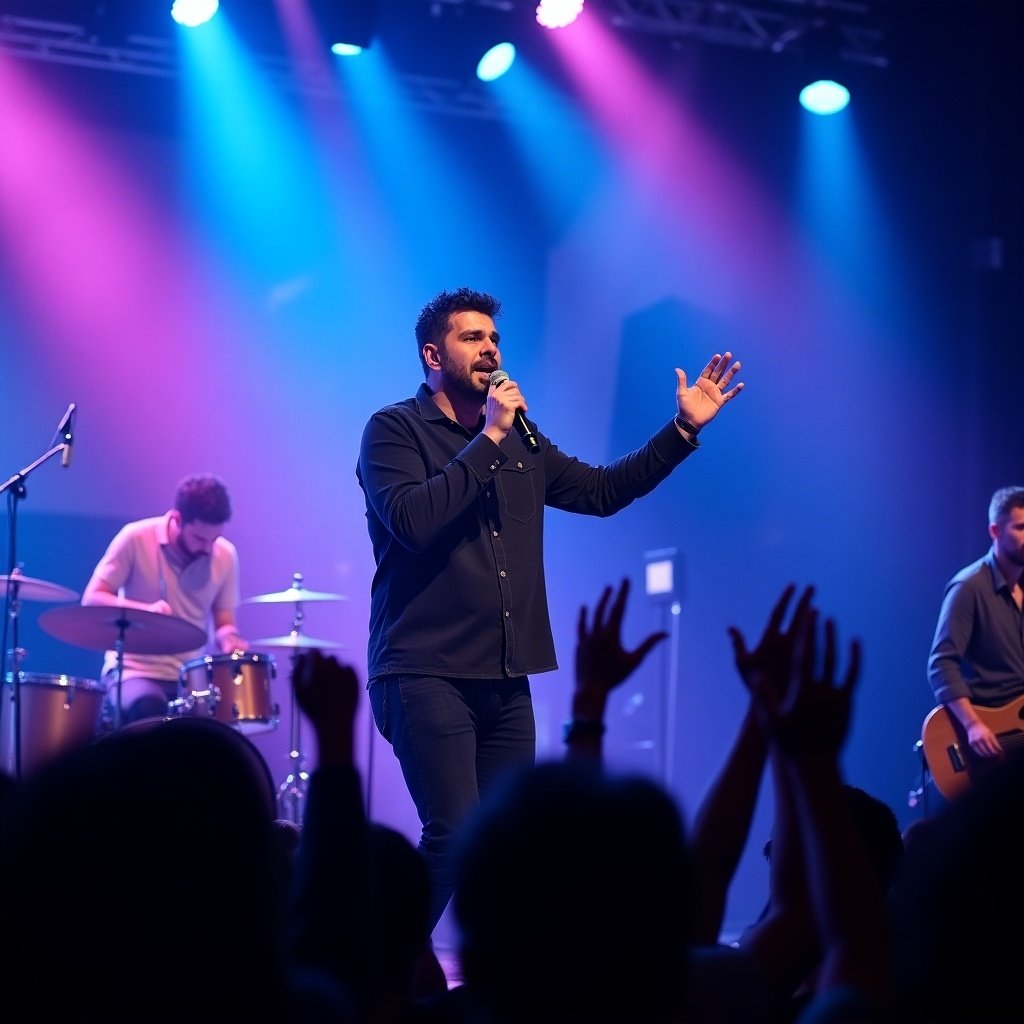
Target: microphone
{"x": 522, "y": 427}
{"x": 66, "y": 434}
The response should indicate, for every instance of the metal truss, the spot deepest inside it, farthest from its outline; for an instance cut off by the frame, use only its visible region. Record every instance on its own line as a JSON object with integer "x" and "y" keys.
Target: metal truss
{"x": 774, "y": 26}
{"x": 75, "y": 45}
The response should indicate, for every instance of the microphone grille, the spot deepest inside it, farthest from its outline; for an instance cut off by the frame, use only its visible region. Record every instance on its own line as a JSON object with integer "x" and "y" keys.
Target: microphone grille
{"x": 497, "y": 377}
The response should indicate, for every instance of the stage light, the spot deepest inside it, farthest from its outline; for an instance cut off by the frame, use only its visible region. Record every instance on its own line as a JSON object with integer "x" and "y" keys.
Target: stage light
{"x": 495, "y": 62}
{"x": 558, "y": 13}
{"x": 824, "y": 97}
{"x": 347, "y": 27}
{"x": 192, "y": 13}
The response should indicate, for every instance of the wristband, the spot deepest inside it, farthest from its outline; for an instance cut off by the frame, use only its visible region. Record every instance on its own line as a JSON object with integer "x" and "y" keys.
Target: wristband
{"x": 577, "y": 728}
{"x": 688, "y": 427}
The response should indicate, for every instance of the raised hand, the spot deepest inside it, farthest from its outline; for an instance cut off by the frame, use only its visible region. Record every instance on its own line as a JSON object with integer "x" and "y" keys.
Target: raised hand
{"x": 602, "y": 663}
{"x": 768, "y": 664}
{"x": 812, "y": 716}
{"x": 699, "y": 404}
{"x": 327, "y": 693}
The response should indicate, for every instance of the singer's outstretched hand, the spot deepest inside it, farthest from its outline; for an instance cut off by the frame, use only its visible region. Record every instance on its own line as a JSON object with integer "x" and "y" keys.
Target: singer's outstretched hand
{"x": 699, "y": 404}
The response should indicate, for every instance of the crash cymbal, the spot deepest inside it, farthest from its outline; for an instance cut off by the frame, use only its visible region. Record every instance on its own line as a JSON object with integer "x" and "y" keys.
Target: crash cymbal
{"x": 296, "y": 640}
{"x": 294, "y": 595}
{"x": 35, "y": 590}
{"x": 98, "y": 627}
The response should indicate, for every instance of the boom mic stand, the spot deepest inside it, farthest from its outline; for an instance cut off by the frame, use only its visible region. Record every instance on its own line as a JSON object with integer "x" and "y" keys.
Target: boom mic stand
{"x": 16, "y": 486}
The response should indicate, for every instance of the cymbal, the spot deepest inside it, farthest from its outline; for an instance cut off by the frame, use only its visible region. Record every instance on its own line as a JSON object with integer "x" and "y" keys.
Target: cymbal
{"x": 294, "y": 595}
{"x": 296, "y": 640}
{"x": 97, "y": 627}
{"x": 36, "y": 590}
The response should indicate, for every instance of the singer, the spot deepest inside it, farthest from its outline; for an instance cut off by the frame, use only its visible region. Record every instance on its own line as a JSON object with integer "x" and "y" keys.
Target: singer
{"x": 458, "y": 607}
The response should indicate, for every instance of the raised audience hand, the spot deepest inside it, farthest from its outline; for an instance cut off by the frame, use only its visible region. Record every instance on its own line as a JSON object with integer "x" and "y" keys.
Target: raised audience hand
{"x": 768, "y": 664}
{"x": 327, "y": 693}
{"x": 811, "y": 714}
{"x": 602, "y": 663}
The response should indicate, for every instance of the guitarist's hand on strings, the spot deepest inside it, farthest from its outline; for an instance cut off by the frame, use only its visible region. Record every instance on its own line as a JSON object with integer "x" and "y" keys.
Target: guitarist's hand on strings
{"x": 983, "y": 740}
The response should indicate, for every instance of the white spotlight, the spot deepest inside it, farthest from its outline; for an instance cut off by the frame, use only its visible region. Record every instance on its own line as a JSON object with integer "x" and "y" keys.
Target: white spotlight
{"x": 558, "y": 13}
{"x": 192, "y": 13}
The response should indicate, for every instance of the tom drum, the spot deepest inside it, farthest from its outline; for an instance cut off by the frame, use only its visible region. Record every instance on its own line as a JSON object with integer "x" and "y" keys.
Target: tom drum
{"x": 231, "y": 688}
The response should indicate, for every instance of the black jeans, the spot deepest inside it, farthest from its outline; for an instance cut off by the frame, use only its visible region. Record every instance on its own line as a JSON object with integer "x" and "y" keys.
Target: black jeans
{"x": 454, "y": 738}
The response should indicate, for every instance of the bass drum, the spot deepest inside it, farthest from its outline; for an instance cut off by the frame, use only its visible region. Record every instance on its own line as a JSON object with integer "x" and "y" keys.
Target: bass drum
{"x": 58, "y": 713}
{"x": 257, "y": 762}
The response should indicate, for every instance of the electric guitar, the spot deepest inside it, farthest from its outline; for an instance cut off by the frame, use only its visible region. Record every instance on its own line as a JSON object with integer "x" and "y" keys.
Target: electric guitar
{"x": 951, "y": 762}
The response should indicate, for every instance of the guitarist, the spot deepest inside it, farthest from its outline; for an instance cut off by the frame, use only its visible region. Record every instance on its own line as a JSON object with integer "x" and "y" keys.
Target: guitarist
{"x": 977, "y": 655}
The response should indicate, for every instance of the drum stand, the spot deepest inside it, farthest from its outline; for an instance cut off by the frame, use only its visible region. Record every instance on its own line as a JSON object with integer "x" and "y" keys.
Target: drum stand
{"x": 291, "y": 794}
{"x": 14, "y": 653}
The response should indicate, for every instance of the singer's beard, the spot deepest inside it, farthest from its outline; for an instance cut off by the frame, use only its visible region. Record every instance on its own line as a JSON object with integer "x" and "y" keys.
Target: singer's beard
{"x": 467, "y": 383}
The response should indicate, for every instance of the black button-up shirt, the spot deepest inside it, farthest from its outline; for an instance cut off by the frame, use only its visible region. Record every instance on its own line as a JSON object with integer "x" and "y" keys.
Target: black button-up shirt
{"x": 457, "y": 526}
{"x": 978, "y": 649}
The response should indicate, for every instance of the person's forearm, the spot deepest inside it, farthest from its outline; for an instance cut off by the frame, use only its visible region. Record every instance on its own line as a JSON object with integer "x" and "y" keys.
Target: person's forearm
{"x": 963, "y": 711}
{"x": 845, "y": 898}
{"x": 721, "y": 825}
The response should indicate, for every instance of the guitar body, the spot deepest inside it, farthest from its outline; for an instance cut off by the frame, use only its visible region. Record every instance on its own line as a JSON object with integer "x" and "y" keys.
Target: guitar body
{"x": 951, "y": 762}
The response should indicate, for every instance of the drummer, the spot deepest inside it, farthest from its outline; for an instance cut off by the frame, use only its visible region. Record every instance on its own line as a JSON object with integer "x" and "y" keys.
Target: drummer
{"x": 175, "y": 564}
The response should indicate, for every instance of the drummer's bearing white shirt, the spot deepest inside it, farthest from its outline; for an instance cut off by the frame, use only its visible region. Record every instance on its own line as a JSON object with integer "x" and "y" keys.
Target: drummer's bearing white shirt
{"x": 139, "y": 556}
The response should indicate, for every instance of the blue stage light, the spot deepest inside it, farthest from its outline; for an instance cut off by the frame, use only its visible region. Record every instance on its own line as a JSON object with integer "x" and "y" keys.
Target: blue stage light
{"x": 824, "y": 97}
{"x": 495, "y": 62}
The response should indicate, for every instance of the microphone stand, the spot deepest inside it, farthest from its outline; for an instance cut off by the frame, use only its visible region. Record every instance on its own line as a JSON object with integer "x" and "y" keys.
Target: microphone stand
{"x": 16, "y": 486}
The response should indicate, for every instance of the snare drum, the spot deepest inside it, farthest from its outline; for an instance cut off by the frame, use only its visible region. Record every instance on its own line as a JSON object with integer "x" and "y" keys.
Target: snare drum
{"x": 58, "y": 712}
{"x": 232, "y": 688}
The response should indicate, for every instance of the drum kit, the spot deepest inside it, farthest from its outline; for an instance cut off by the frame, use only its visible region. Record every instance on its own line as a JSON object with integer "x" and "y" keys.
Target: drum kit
{"x": 47, "y": 714}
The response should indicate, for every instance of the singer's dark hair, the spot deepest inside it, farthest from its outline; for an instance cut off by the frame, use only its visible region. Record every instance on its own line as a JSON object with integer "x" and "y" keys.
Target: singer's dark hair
{"x": 1005, "y": 499}
{"x": 433, "y": 322}
{"x": 204, "y": 498}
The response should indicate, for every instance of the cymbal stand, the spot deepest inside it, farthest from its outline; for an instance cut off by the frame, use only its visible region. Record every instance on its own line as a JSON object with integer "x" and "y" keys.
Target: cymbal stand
{"x": 16, "y": 486}
{"x": 122, "y": 626}
{"x": 291, "y": 794}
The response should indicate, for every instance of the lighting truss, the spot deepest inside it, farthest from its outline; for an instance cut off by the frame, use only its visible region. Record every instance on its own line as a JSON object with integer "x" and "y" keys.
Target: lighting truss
{"x": 75, "y": 45}
{"x": 773, "y": 27}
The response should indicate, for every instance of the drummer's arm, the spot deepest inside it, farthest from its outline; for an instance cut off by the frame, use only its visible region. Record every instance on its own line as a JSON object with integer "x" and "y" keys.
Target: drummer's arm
{"x": 98, "y": 591}
{"x": 228, "y": 637}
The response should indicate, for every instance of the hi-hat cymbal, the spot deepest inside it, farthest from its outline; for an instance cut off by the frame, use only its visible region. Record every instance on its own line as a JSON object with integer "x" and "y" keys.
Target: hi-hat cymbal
{"x": 294, "y": 595}
{"x": 35, "y": 590}
{"x": 296, "y": 640}
{"x": 98, "y": 628}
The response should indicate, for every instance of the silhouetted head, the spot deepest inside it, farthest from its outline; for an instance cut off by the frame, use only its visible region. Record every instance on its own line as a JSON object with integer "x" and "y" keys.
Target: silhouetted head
{"x": 149, "y": 854}
{"x": 571, "y": 886}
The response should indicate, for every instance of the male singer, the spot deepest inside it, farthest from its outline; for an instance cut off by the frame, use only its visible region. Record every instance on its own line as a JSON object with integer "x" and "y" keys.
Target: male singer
{"x": 455, "y": 511}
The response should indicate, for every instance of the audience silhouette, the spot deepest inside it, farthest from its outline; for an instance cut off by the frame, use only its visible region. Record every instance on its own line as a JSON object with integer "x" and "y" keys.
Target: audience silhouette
{"x": 148, "y": 877}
